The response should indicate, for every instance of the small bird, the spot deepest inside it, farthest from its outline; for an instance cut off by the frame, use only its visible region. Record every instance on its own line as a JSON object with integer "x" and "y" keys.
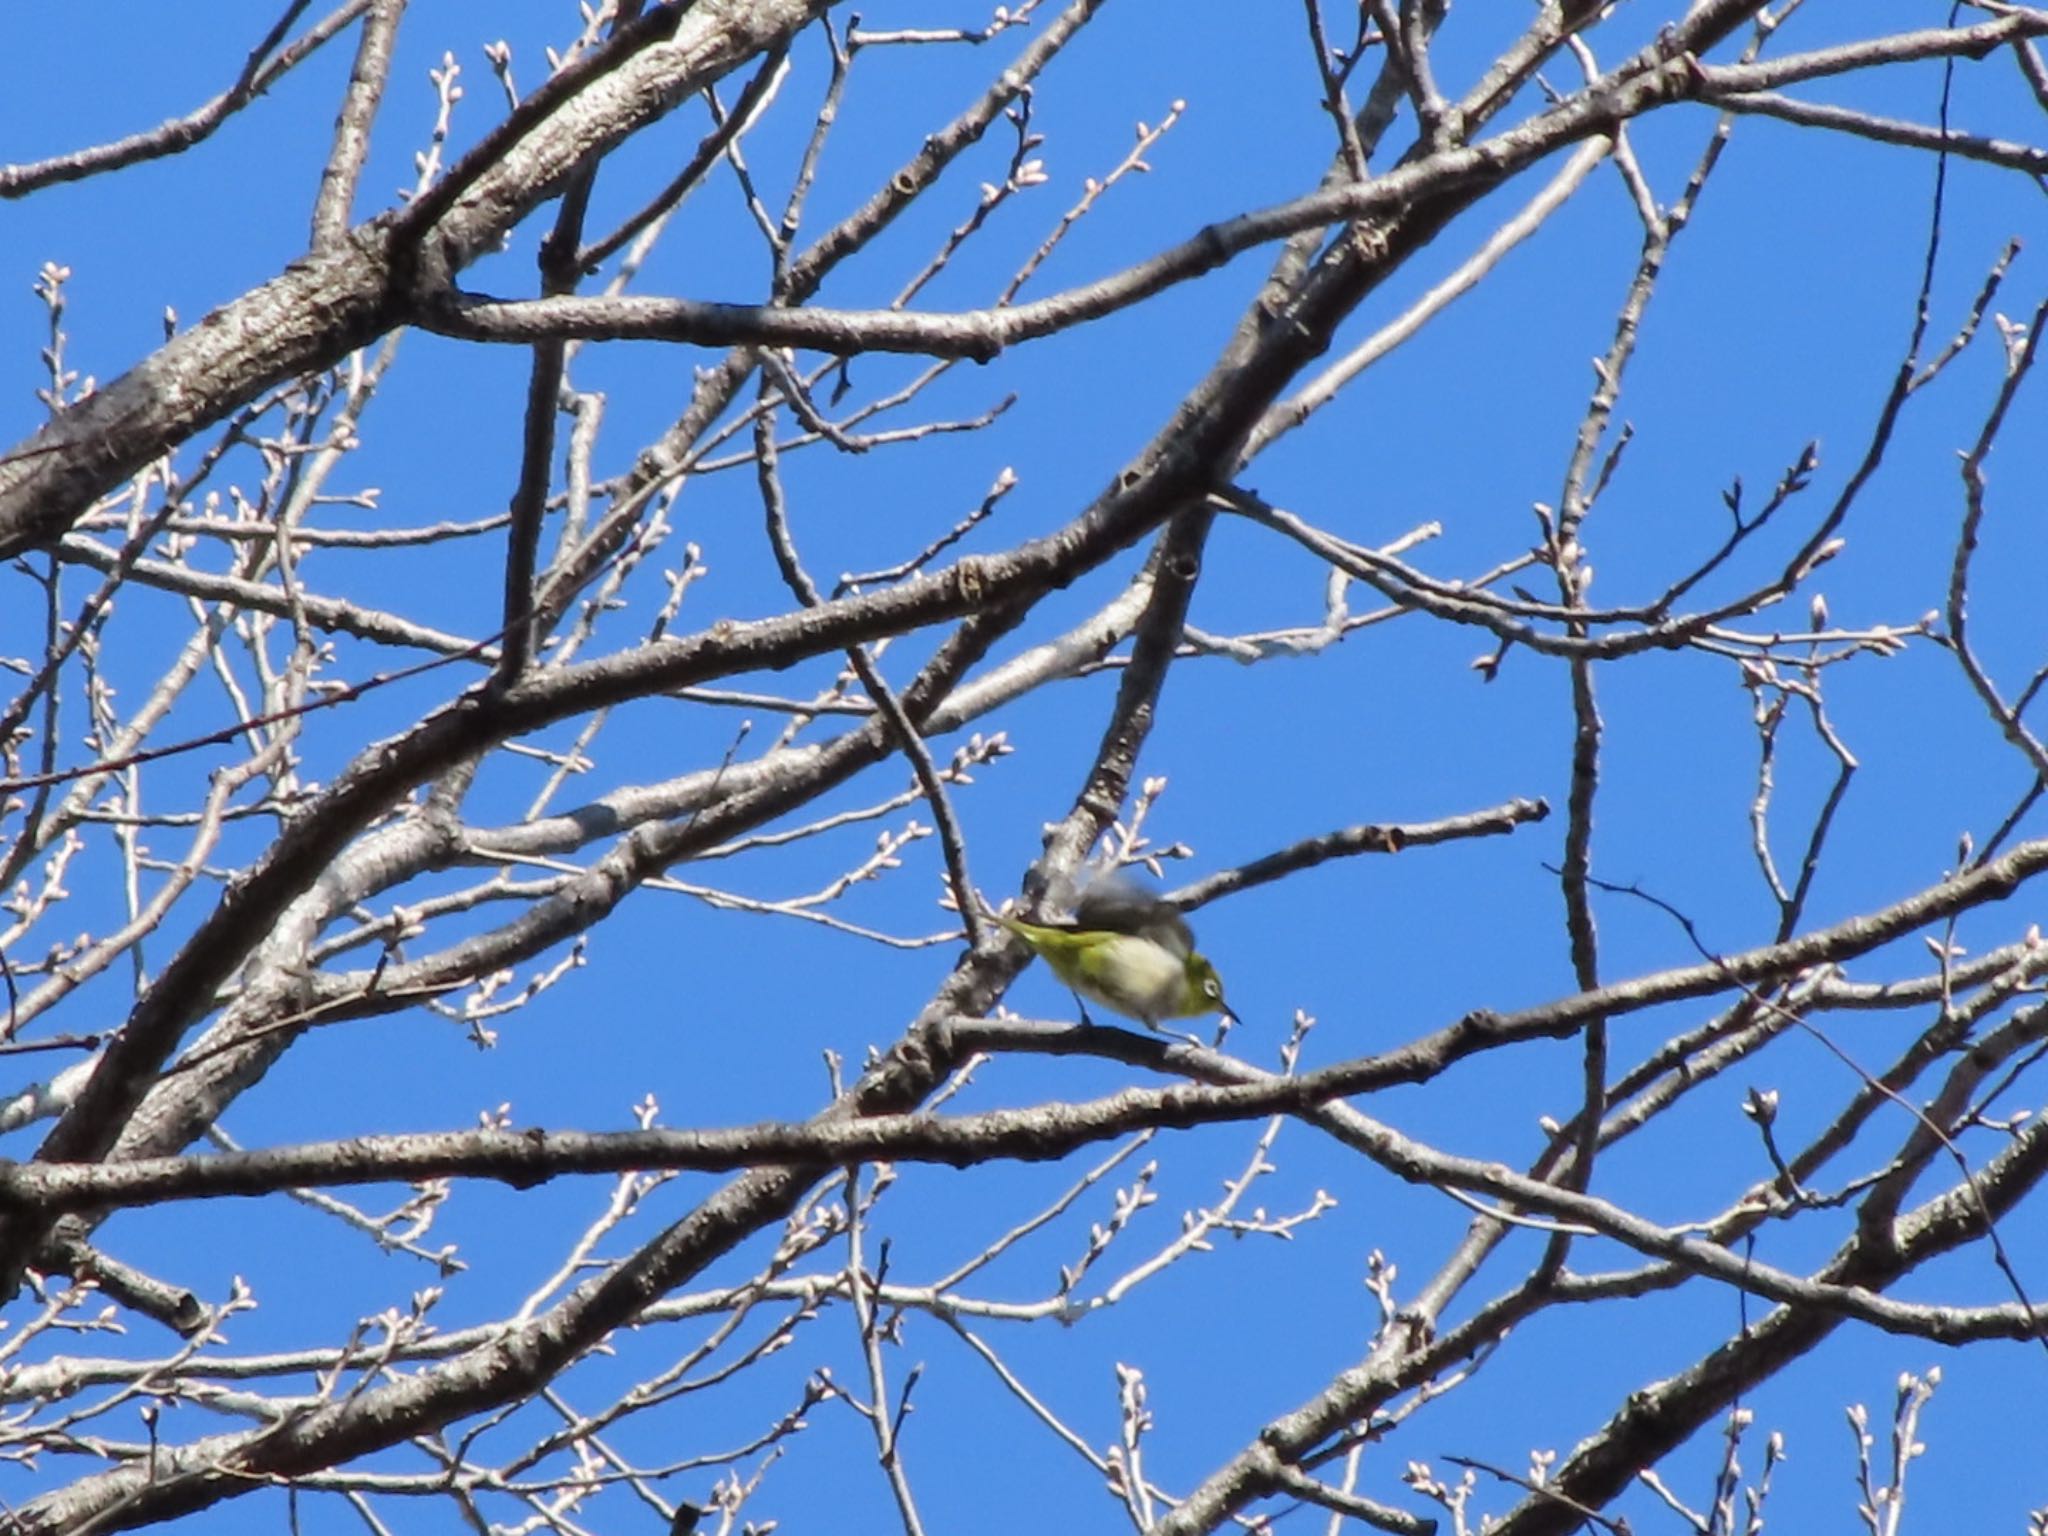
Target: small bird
{"x": 1130, "y": 951}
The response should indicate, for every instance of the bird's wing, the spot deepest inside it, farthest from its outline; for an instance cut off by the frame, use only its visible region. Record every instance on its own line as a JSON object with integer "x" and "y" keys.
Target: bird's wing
{"x": 1116, "y": 905}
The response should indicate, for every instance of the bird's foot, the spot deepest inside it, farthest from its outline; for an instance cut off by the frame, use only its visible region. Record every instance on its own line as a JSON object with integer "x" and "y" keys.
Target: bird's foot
{"x": 1181, "y": 1035}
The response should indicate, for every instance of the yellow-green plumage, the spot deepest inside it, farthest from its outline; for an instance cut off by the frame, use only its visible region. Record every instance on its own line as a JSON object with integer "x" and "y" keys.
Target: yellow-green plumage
{"x": 1148, "y": 975}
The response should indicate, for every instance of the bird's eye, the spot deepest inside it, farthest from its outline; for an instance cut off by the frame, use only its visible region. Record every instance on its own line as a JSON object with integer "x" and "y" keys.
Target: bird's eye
{"x": 1212, "y": 988}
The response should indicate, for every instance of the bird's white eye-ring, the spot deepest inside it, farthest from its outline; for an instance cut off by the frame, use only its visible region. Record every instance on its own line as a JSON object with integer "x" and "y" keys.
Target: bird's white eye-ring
{"x": 1212, "y": 988}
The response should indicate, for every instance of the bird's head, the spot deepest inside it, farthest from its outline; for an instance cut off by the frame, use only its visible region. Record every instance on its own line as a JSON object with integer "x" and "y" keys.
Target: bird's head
{"x": 1204, "y": 990}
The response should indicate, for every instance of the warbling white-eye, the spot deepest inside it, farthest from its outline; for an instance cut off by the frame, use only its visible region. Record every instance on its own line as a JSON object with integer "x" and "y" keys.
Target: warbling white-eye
{"x": 1130, "y": 951}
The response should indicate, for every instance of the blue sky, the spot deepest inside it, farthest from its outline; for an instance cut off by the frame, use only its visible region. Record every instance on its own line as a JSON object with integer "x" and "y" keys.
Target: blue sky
{"x": 1782, "y": 318}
